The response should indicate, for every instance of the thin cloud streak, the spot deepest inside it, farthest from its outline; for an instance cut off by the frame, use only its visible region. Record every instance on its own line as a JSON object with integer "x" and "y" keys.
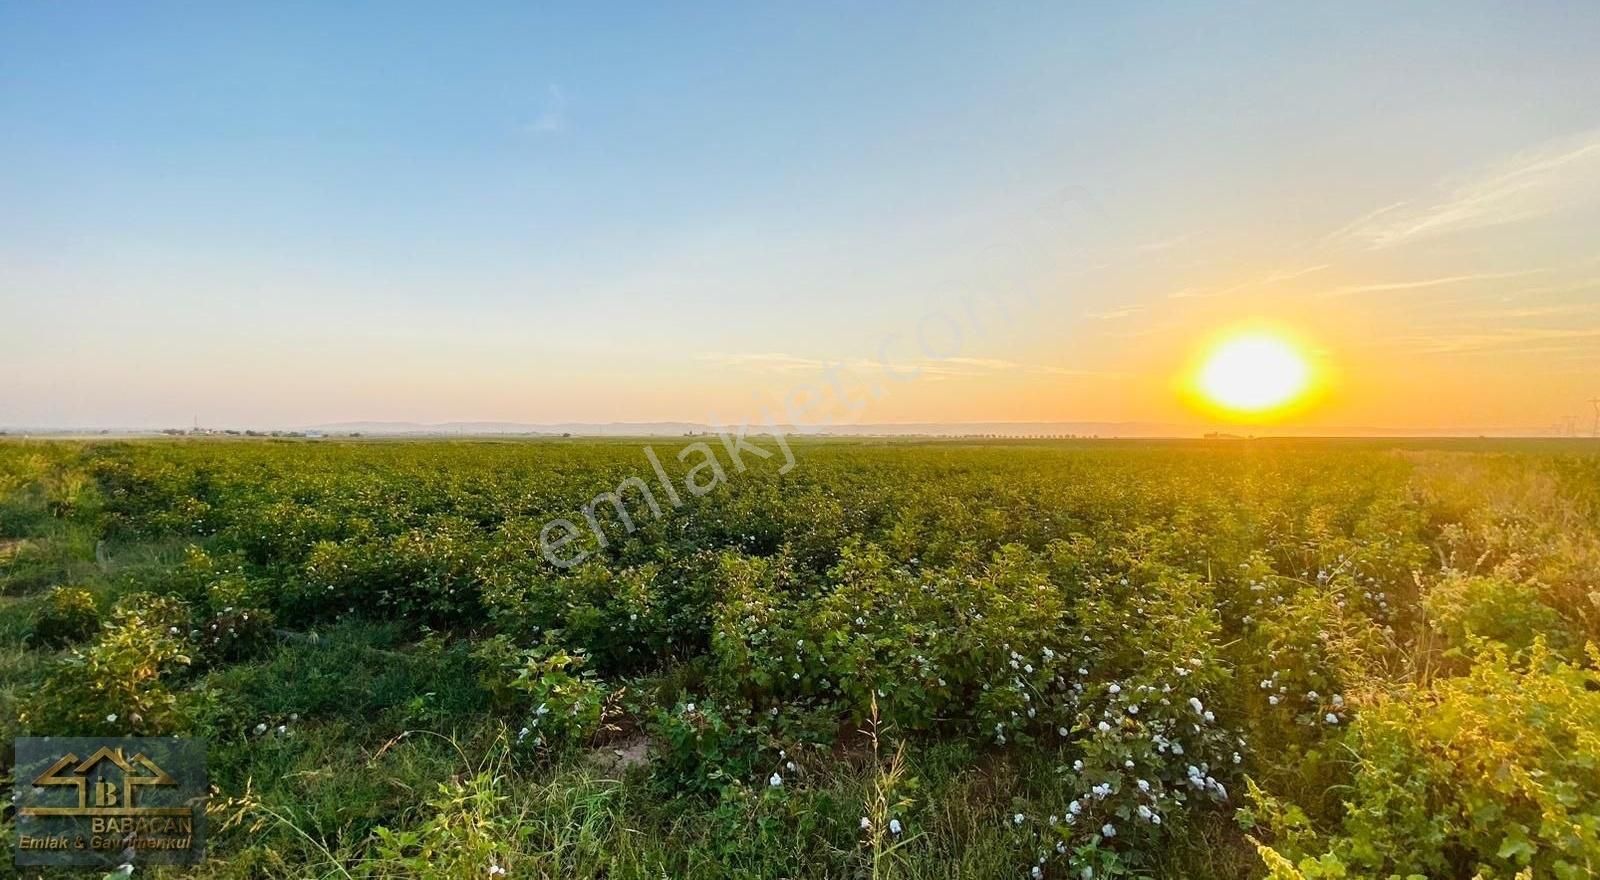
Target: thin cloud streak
{"x": 936, "y": 367}
{"x": 1509, "y": 340}
{"x": 1533, "y": 184}
{"x": 1387, "y": 286}
{"x": 1116, "y": 314}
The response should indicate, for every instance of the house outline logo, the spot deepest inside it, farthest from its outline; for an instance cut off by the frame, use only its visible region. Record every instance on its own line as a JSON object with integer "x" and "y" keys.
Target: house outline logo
{"x": 105, "y": 798}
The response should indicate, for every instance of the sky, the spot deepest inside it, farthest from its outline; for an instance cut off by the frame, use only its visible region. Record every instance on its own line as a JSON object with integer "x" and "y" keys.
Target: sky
{"x": 292, "y": 214}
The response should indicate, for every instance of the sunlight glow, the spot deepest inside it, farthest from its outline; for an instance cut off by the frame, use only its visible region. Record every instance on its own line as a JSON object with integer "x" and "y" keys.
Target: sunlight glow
{"x": 1253, "y": 373}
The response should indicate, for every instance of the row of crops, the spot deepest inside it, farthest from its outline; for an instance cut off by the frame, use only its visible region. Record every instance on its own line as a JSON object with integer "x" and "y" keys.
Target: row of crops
{"x": 1304, "y": 659}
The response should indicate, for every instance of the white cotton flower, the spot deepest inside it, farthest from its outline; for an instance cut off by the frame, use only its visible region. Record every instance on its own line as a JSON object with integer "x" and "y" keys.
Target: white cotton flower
{"x": 775, "y": 781}
{"x": 112, "y": 718}
{"x": 1036, "y": 873}
{"x": 1115, "y": 688}
{"x": 1209, "y": 717}
{"x": 1018, "y": 819}
{"x": 866, "y": 824}
{"x": 1331, "y": 718}
{"x": 1338, "y": 701}
{"x": 1103, "y": 727}
{"x": 689, "y": 708}
{"x": 894, "y": 826}
{"x": 1061, "y": 731}
{"x": 1144, "y": 812}
{"x": 1144, "y": 786}
{"x": 1273, "y": 699}
{"x": 1078, "y": 766}
{"x": 1194, "y": 703}
{"x": 261, "y": 728}
{"x": 1108, "y": 830}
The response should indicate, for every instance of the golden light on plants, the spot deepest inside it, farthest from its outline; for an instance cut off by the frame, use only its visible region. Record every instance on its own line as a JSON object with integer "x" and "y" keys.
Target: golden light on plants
{"x": 1253, "y": 373}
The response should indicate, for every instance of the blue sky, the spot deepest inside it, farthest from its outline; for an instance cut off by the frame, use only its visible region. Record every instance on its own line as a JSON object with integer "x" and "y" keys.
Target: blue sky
{"x": 295, "y": 213}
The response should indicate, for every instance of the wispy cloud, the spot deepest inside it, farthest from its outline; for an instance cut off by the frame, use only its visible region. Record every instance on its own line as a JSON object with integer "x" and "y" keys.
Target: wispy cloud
{"x": 932, "y": 367}
{"x": 1267, "y": 280}
{"x": 1165, "y": 244}
{"x": 1116, "y": 314}
{"x": 774, "y": 361}
{"x": 1291, "y": 274}
{"x": 1535, "y": 312}
{"x": 1363, "y": 222}
{"x": 1532, "y": 184}
{"x": 980, "y": 366}
{"x": 1391, "y": 286}
{"x": 1524, "y": 340}
{"x": 552, "y": 114}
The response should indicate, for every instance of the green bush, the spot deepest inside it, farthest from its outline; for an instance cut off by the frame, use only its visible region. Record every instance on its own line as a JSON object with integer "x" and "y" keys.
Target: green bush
{"x": 69, "y": 615}
{"x": 1468, "y": 610}
{"x": 1488, "y": 774}
{"x": 558, "y": 702}
{"x": 115, "y": 685}
{"x": 704, "y": 748}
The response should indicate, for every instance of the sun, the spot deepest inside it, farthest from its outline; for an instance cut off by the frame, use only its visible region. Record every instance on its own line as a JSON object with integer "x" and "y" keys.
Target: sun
{"x": 1254, "y": 373}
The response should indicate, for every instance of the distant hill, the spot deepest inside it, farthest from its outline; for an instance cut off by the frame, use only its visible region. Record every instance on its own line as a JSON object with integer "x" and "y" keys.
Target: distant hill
{"x": 900, "y": 429}
{"x": 1109, "y": 430}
